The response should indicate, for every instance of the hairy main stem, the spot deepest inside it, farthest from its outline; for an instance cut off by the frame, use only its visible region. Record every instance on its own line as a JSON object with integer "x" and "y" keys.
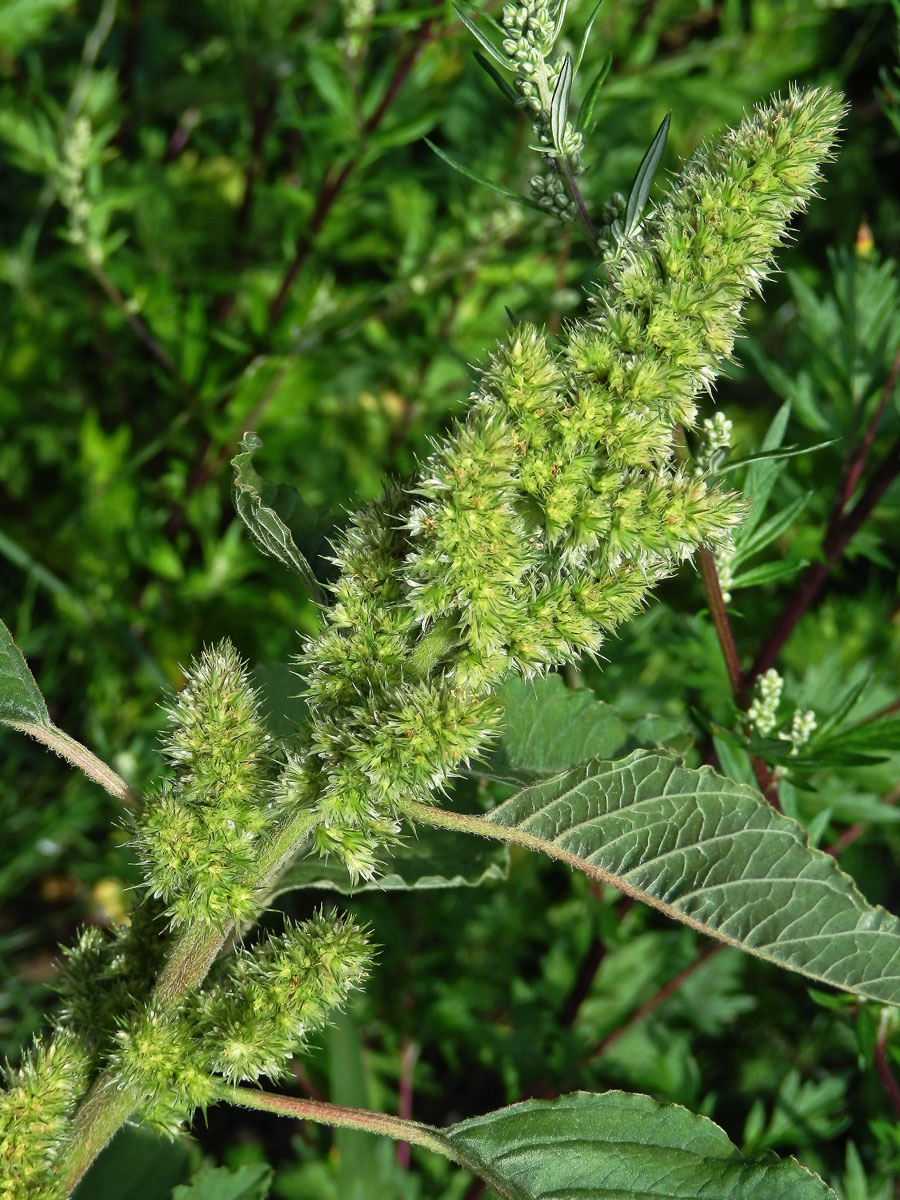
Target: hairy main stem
{"x": 108, "y": 1104}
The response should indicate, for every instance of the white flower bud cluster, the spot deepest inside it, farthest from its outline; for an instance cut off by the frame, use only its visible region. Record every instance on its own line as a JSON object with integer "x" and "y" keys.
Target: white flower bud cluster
{"x": 76, "y": 152}
{"x": 550, "y": 193}
{"x": 714, "y": 443}
{"x": 803, "y": 723}
{"x": 761, "y": 712}
{"x": 724, "y": 558}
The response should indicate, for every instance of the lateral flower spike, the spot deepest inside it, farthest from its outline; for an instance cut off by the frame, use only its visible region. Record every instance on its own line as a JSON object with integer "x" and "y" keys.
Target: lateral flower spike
{"x": 35, "y": 1117}
{"x": 545, "y": 517}
{"x": 197, "y": 836}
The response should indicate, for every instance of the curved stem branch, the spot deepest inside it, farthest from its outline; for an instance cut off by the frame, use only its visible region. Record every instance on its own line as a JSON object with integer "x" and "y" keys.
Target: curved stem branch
{"x": 82, "y": 758}
{"x": 362, "y": 1119}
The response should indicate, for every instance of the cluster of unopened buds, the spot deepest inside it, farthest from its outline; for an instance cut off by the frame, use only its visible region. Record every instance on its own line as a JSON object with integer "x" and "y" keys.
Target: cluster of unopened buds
{"x": 529, "y": 30}
{"x": 714, "y": 443}
{"x": 549, "y": 191}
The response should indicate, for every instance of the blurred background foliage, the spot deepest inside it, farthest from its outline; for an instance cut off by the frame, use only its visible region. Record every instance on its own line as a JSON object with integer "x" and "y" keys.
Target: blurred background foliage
{"x": 222, "y": 216}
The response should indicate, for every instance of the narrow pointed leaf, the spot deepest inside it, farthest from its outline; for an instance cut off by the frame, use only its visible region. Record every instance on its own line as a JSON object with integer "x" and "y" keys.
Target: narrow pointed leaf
{"x": 711, "y": 853}
{"x": 476, "y": 178}
{"x": 617, "y": 1145}
{"x": 20, "y": 698}
{"x": 559, "y": 104}
{"x": 587, "y": 33}
{"x": 584, "y": 122}
{"x": 496, "y": 54}
{"x": 560, "y": 17}
{"x": 501, "y": 83}
{"x": 643, "y": 181}
{"x": 276, "y": 517}
{"x": 770, "y": 530}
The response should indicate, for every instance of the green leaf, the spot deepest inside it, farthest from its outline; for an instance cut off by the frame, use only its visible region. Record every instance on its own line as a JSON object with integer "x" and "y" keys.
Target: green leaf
{"x": 20, "y": 697}
{"x": 618, "y": 1145}
{"x": 250, "y": 1182}
{"x": 559, "y": 103}
{"x": 767, "y": 573}
{"x": 770, "y": 456}
{"x": 761, "y": 476}
{"x": 496, "y": 54}
{"x": 476, "y": 178}
{"x": 431, "y": 859}
{"x": 558, "y": 20}
{"x": 23, "y": 21}
{"x": 771, "y": 530}
{"x": 587, "y": 33}
{"x": 711, "y": 853}
{"x": 548, "y": 727}
{"x": 505, "y": 90}
{"x": 643, "y": 181}
{"x": 277, "y": 518}
{"x": 586, "y": 111}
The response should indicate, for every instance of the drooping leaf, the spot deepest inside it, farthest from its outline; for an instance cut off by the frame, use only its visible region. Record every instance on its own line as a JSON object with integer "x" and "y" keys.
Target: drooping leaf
{"x": 20, "y": 697}
{"x": 712, "y": 853}
{"x": 643, "y": 180}
{"x": 279, "y": 521}
{"x": 249, "y": 1182}
{"x": 618, "y": 1145}
{"x": 476, "y": 178}
{"x": 431, "y": 859}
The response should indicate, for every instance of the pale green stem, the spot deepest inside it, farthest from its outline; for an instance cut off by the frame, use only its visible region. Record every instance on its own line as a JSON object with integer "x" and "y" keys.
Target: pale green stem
{"x": 368, "y": 1122}
{"x": 82, "y": 758}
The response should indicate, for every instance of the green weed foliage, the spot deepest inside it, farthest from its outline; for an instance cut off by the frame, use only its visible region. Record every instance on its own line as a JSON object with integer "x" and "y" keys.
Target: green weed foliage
{"x": 495, "y": 412}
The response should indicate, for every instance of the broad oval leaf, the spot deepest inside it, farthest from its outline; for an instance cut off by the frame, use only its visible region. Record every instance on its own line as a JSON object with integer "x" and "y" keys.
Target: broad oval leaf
{"x": 711, "y": 853}
{"x": 20, "y": 697}
{"x": 278, "y": 519}
{"x": 548, "y": 727}
{"x": 618, "y": 1145}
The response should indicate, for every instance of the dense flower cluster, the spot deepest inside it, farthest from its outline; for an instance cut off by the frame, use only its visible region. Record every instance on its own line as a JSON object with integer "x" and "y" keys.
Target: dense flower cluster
{"x": 198, "y": 836}
{"x": 35, "y": 1113}
{"x": 541, "y": 522}
{"x": 249, "y": 1018}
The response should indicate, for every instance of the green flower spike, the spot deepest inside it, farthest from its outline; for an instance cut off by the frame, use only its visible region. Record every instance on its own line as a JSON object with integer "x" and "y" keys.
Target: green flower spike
{"x": 542, "y": 520}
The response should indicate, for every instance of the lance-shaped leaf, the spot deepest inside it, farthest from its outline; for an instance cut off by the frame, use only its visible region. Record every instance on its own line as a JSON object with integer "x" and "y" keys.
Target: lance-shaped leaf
{"x": 21, "y": 701}
{"x": 618, "y": 1145}
{"x": 278, "y": 520}
{"x": 22, "y": 707}
{"x": 711, "y": 853}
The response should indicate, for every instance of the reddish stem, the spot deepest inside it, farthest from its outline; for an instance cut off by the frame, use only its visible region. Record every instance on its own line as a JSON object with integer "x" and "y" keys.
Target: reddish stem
{"x": 333, "y": 183}
{"x": 409, "y": 1053}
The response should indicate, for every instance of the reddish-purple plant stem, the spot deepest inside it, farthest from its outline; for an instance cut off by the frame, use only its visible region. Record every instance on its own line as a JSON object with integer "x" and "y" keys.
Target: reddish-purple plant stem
{"x": 842, "y": 527}
{"x": 765, "y": 779}
{"x": 333, "y": 183}
{"x": 409, "y": 1053}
